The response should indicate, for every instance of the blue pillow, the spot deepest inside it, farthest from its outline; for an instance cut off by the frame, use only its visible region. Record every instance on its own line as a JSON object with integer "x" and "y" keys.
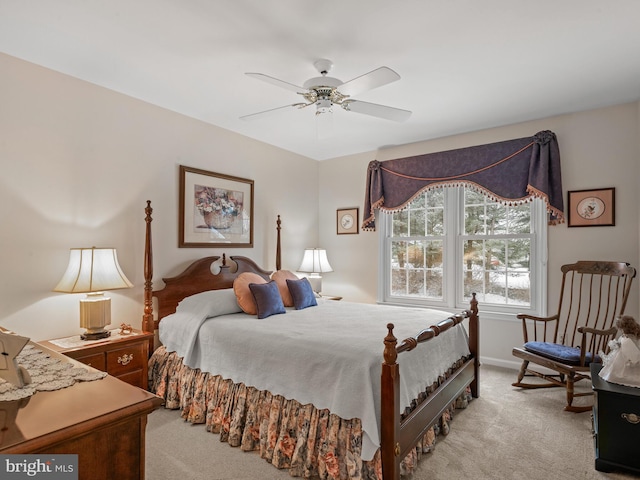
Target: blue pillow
{"x": 302, "y": 293}
{"x": 268, "y": 299}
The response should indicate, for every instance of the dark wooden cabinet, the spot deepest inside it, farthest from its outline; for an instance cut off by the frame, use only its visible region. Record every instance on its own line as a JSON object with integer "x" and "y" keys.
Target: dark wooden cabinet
{"x": 616, "y": 424}
{"x": 124, "y": 357}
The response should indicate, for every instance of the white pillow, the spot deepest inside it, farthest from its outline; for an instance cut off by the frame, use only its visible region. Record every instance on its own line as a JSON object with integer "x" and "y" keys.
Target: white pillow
{"x": 211, "y": 303}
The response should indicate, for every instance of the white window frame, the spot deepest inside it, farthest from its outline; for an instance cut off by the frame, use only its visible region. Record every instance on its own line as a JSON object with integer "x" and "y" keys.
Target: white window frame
{"x": 453, "y": 285}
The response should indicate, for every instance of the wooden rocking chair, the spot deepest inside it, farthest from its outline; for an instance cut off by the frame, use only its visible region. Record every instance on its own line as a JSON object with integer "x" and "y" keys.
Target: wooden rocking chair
{"x": 593, "y": 295}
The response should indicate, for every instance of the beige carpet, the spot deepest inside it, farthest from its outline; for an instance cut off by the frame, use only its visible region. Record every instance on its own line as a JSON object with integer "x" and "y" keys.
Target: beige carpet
{"x": 507, "y": 433}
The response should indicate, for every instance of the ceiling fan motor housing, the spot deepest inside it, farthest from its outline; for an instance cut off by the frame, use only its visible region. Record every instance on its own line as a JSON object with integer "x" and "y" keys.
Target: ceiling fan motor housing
{"x": 319, "y": 82}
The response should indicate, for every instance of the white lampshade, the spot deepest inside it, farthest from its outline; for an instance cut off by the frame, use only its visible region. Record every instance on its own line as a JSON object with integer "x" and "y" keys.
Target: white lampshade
{"x": 315, "y": 262}
{"x": 92, "y": 271}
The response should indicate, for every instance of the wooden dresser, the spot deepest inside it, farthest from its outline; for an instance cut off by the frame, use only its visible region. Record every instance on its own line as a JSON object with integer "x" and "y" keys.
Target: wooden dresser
{"x": 102, "y": 421}
{"x": 616, "y": 424}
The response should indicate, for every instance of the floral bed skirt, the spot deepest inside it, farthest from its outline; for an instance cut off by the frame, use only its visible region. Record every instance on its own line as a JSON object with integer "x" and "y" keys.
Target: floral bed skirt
{"x": 309, "y": 442}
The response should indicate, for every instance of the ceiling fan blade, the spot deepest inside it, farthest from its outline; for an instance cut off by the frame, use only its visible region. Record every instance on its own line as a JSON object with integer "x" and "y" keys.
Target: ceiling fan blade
{"x": 381, "y": 111}
{"x": 374, "y": 79}
{"x": 276, "y": 82}
{"x": 266, "y": 113}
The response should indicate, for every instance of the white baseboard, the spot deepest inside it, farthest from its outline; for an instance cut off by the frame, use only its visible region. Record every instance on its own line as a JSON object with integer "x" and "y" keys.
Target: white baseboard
{"x": 498, "y": 362}
{"x": 513, "y": 365}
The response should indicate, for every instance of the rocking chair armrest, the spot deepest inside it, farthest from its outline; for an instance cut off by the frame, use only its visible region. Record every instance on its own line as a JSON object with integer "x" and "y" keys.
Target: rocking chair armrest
{"x": 532, "y": 318}
{"x": 583, "y": 343}
{"x": 595, "y": 331}
{"x": 526, "y": 316}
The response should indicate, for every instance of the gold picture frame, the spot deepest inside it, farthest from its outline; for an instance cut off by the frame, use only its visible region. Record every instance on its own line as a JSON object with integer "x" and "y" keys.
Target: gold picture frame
{"x": 592, "y": 208}
{"x": 215, "y": 209}
{"x": 347, "y": 221}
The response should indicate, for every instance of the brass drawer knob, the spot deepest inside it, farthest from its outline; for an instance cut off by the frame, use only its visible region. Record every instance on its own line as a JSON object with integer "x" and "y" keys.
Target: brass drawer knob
{"x": 125, "y": 359}
{"x": 631, "y": 418}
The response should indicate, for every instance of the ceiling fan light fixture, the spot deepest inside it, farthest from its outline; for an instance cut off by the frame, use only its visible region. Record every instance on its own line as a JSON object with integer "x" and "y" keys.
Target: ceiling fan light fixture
{"x": 323, "y": 105}
{"x": 324, "y": 124}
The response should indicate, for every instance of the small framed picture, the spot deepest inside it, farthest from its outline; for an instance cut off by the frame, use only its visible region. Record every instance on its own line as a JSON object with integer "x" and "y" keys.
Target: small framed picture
{"x": 592, "y": 208}
{"x": 347, "y": 221}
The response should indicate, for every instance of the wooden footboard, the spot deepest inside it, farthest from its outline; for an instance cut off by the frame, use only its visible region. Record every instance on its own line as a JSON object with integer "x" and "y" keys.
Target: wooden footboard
{"x": 400, "y": 435}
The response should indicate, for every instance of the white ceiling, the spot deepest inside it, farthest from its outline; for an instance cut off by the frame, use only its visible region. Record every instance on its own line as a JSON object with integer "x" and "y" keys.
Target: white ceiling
{"x": 465, "y": 64}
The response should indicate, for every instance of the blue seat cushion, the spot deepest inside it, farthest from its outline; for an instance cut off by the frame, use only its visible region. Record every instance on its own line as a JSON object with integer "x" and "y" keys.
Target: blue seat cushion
{"x": 560, "y": 353}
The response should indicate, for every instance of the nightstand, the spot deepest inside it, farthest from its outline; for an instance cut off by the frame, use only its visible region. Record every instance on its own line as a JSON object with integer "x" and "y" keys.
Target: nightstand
{"x": 330, "y": 297}
{"x": 122, "y": 356}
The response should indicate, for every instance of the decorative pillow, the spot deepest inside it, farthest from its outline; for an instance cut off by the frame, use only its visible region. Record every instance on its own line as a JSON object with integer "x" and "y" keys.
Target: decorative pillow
{"x": 243, "y": 293}
{"x": 302, "y": 293}
{"x": 210, "y": 303}
{"x": 267, "y": 298}
{"x": 281, "y": 277}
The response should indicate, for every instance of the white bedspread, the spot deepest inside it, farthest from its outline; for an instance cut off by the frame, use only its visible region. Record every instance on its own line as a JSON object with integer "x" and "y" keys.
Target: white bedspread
{"x": 329, "y": 355}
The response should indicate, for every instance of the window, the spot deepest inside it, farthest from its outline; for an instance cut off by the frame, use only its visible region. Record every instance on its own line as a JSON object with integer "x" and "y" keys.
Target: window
{"x": 453, "y": 241}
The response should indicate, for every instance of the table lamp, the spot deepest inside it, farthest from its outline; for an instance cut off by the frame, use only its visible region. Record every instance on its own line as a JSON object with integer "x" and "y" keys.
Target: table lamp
{"x": 315, "y": 262}
{"x": 92, "y": 271}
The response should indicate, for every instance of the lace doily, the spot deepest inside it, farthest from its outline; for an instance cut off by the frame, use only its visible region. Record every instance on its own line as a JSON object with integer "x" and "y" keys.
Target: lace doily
{"x": 47, "y": 373}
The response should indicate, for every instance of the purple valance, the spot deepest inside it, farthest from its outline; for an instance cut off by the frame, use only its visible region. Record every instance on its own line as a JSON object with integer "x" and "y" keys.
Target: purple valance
{"x": 511, "y": 172}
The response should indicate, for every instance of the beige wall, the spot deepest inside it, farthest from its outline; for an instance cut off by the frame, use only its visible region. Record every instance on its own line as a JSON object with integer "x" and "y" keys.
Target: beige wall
{"x": 599, "y": 148}
{"x": 78, "y": 163}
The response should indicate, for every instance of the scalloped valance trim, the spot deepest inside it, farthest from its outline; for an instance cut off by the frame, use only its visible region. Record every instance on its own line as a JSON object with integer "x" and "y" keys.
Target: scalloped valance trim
{"x": 525, "y": 169}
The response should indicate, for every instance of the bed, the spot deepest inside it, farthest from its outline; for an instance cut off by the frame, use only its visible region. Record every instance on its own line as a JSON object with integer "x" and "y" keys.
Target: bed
{"x": 322, "y": 392}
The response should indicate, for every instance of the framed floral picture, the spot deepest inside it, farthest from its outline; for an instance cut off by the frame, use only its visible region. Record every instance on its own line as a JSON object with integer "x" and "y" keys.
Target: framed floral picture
{"x": 592, "y": 208}
{"x": 215, "y": 209}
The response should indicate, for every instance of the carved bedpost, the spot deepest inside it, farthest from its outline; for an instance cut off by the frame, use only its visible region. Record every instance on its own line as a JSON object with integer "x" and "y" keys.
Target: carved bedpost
{"x": 147, "y": 318}
{"x": 389, "y": 409}
{"x": 278, "y": 255}
{"x": 474, "y": 344}
{"x": 390, "y": 341}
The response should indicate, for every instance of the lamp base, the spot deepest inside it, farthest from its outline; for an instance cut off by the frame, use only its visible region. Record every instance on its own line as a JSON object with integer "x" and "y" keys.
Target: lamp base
{"x": 95, "y": 335}
{"x": 316, "y": 282}
{"x": 95, "y": 314}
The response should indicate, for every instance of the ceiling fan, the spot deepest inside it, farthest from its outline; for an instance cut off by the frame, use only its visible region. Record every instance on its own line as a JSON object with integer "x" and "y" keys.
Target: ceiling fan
{"x": 326, "y": 92}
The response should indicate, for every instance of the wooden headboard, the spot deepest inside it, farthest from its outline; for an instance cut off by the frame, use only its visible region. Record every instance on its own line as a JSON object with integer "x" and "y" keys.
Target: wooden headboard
{"x": 197, "y": 277}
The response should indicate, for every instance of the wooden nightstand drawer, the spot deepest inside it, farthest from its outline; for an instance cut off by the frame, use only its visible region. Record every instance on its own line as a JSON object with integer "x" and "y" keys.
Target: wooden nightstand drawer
{"x": 122, "y": 356}
{"x": 95, "y": 361}
{"x": 125, "y": 360}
